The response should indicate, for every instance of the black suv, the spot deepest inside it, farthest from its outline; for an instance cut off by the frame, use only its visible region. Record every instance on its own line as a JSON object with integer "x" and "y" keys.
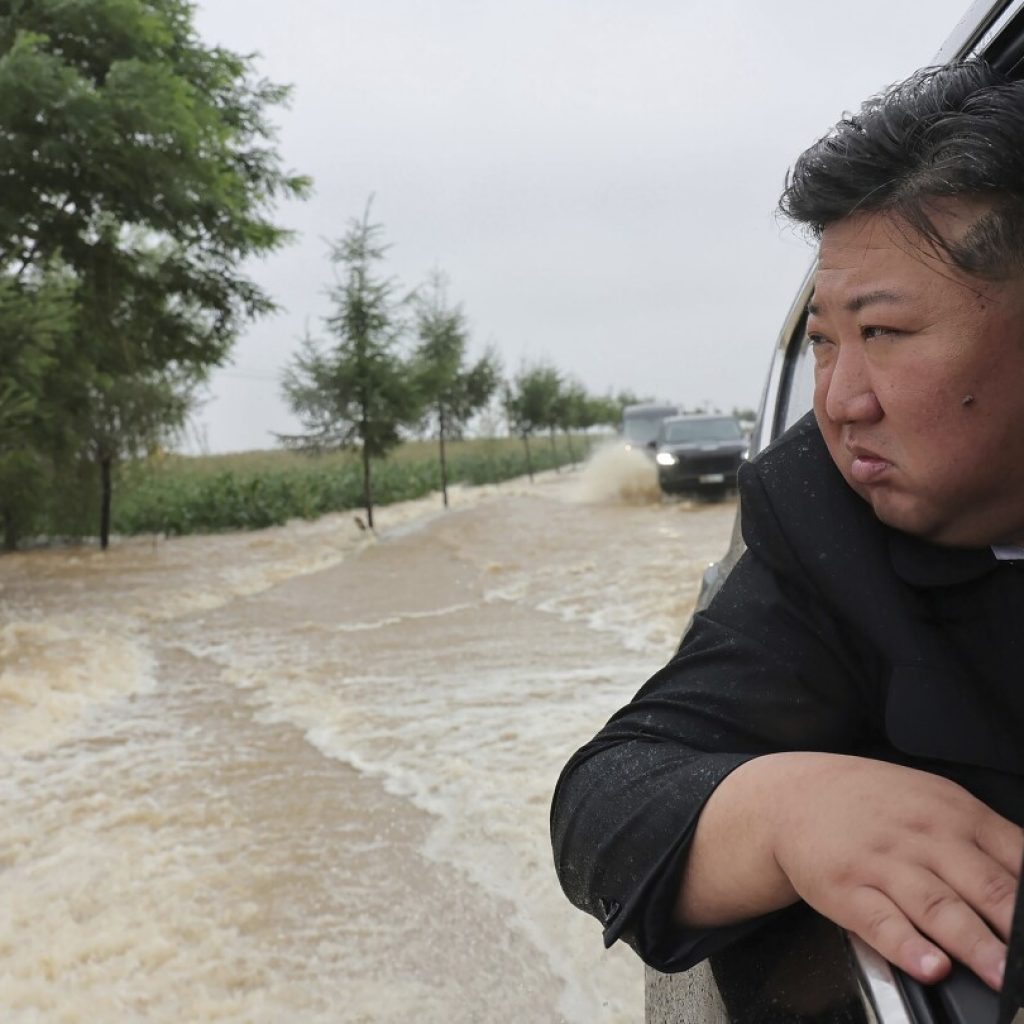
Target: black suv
{"x": 699, "y": 453}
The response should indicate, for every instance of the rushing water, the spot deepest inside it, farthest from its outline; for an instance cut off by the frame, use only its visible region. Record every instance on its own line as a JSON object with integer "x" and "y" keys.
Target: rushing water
{"x": 303, "y": 775}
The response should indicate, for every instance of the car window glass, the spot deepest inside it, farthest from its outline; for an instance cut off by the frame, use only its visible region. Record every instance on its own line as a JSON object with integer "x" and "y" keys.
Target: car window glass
{"x": 725, "y": 429}
{"x": 799, "y": 393}
{"x": 640, "y": 430}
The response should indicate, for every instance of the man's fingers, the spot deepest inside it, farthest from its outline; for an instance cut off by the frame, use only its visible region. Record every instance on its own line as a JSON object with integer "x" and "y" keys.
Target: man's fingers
{"x": 881, "y": 924}
{"x": 912, "y": 863}
{"x": 939, "y": 912}
{"x": 986, "y": 886}
{"x": 1003, "y": 841}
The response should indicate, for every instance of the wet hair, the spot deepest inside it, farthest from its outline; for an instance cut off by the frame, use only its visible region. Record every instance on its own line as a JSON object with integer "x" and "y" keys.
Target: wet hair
{"x": 951, "y": 131}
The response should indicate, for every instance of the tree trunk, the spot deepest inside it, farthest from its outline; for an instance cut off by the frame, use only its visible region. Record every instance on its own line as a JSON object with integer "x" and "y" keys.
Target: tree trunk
{"x": 572, "y": 454}
{"x": 554, "y": 449}
{"x": 529, "y": 461}
{"x": 105, "y": 492}
{"x": 444, "y": 461}
{"x": 367, "y": 487}
{"x": 10, "y": 530}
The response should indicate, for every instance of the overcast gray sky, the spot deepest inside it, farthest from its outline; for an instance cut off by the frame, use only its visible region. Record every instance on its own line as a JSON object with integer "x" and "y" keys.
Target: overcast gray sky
{"x": 596, "y": 179}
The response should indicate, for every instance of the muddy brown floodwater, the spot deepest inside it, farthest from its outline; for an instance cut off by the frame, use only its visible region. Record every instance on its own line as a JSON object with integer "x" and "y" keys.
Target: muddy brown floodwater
{"x": 303, "y": 775}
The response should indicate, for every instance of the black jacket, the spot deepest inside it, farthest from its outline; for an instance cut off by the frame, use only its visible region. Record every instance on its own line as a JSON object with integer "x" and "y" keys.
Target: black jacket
{"x": 832, "y": 633}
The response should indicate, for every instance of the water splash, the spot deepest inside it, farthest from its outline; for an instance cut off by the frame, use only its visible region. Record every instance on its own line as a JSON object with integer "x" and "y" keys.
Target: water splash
{"x": 614, "y": 473}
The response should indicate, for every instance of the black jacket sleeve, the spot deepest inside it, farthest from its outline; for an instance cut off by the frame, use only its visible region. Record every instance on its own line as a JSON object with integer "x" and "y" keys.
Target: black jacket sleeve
{"x": 765, "y": 668}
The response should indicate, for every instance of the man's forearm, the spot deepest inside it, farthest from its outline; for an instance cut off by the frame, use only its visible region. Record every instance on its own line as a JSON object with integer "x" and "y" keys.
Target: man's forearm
{"x": 731, "y": 873}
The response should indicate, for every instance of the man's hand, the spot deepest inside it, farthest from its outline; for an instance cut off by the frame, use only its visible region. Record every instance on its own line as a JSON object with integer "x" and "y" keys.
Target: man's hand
{"x": 909, "y": 861}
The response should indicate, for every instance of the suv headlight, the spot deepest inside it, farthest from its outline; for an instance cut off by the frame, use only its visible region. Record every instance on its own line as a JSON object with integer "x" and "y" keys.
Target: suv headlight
{"x": 665, "y": 459}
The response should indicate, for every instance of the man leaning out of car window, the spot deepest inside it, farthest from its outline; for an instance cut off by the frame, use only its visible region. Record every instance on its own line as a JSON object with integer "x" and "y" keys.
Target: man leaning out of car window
{"x": 842, "y": 725}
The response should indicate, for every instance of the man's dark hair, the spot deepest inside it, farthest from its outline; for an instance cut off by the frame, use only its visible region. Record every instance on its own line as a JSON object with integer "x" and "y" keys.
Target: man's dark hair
{"x": 956, "y": 130}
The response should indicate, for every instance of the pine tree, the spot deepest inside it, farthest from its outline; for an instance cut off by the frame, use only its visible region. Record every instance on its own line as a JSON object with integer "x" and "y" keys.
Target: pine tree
{"x": 451, "y": 391}
{"x": 358, "y": 392}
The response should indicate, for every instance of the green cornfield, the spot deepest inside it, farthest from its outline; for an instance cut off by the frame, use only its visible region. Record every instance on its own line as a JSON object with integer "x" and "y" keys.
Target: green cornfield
{"x": 176, "y": 494}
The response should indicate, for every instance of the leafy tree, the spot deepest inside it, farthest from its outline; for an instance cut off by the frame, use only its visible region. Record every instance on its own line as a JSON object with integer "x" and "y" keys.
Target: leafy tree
{"x": 606, "y": 410}
{"x": 519, "y": 423}
{"x": 132, "y": 416}
{"x": 573, "y": 411}
{"x": 127, "y": 403}
{"x": 35, "y": 322}
{"x": 142, "y": 162}
{"x": 626, "y": 397}
{"x": 452, "y": 391}
{"x": 357, "y": 394}
{"x": 530, "y": 404}
{"x": 544, "y": 390}
{"x": 15, "y": 411}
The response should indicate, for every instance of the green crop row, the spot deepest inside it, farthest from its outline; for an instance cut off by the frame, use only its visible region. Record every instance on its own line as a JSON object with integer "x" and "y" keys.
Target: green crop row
{"x": 179, "y": 495}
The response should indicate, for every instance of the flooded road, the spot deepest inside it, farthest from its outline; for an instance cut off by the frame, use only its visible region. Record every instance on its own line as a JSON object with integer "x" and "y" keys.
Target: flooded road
{"x": 303, "y": 775}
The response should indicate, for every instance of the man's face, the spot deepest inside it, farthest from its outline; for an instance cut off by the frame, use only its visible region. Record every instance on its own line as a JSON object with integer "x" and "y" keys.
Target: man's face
{"x": 919, "y": 380}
